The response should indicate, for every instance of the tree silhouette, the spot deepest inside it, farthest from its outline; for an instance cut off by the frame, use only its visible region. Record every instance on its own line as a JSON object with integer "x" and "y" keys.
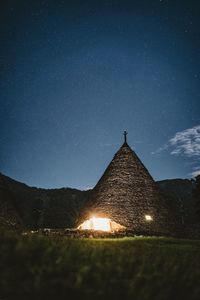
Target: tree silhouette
{"x": 196, "y": 195}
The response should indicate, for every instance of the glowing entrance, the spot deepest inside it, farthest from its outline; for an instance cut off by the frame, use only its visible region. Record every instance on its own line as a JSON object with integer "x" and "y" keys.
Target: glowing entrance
{"x": 103, "y": 224}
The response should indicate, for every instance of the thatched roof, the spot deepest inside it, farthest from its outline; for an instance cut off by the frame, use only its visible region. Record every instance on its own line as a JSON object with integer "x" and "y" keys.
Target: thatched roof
{"x": 126, "y": 193}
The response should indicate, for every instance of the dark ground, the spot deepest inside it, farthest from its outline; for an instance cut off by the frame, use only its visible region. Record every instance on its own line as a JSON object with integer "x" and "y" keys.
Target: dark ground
{"x": 42, "y": 267}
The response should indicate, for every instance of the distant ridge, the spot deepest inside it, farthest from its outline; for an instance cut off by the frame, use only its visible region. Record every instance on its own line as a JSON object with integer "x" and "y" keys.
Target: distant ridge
{"x": 60, "y": 208}
{"x": 52, "y": 208}
{"x": 9, "y": 214}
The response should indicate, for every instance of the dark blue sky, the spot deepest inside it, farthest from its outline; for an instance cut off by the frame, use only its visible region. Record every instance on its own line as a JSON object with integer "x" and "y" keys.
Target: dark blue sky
{"x": 75, "y": 74}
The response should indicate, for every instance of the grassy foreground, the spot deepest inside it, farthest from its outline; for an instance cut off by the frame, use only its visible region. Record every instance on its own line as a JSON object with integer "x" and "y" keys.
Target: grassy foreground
{"x": 39, "y": 267}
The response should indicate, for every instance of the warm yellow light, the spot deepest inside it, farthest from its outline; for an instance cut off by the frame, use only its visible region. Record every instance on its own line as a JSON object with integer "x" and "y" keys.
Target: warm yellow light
{"x": 101, "y": 224}
{"x": 148, "y": 218}
{"x": 94, "y": 223}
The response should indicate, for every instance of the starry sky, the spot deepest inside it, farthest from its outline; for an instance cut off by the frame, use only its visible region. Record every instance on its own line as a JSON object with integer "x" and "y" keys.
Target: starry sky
{"x": 76, "y": 74}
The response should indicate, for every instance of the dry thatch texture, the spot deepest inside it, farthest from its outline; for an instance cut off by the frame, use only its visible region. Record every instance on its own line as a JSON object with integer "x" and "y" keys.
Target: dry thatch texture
{"x": 126, "y": 193}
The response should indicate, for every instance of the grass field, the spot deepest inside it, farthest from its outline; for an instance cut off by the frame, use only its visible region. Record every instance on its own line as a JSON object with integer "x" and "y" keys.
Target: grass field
{"x": 39, "y": 267}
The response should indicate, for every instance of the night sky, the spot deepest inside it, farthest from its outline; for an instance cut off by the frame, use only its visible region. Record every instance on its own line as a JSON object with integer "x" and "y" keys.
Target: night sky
{"x": 76, "y": 74}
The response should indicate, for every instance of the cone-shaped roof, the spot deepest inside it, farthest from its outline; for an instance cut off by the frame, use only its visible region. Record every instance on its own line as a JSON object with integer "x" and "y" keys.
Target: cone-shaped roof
{"x": 127, "y": 194}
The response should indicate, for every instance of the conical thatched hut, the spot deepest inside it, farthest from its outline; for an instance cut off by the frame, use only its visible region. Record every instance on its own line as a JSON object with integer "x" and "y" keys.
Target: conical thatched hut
{"x": 128, "y": 196}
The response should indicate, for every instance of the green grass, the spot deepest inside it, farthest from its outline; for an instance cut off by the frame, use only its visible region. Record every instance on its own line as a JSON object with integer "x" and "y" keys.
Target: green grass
{"x": 39, "y": 267}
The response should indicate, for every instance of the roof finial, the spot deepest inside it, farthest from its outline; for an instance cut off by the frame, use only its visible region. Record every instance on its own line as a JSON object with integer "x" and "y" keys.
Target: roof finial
{"x": 125, "y": 134}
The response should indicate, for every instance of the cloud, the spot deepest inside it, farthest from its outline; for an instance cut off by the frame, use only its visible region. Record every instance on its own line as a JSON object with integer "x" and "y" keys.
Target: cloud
{"x": 195, "y": 173}
{"x": 88, "y": 187}
{"x": 186, "y": 142}
{"x": 159, "y": 150}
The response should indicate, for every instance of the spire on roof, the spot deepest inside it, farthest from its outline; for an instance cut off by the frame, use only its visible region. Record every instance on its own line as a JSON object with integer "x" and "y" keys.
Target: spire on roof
{"x": 125, "y": 134}
{"x": 127, "y": 194}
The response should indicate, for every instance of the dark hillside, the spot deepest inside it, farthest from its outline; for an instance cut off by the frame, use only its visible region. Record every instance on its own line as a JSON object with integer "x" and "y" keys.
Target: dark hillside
{"x": 57, "y": 208}
{"x": 9, "y": 216}
{"x": 46, "y": 207}
{"x": 179, "y": 193}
